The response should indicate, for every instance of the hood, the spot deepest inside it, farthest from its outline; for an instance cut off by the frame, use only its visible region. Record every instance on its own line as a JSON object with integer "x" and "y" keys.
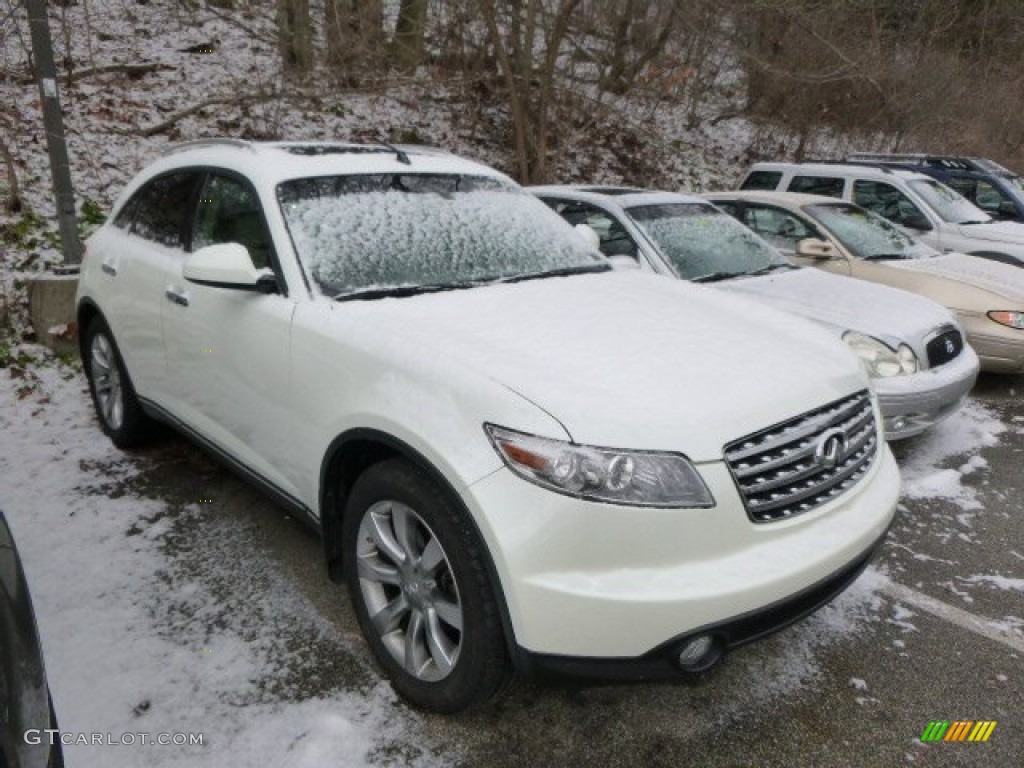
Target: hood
{"x": 843, "y": 304}
{"x": 995, "y": 277}
{"x": 996, "y": 231}
{"x": 630, "y": 360}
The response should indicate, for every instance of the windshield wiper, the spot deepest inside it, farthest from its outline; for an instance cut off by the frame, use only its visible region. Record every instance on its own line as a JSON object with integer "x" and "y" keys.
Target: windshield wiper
{"x": 399, "y": 291}
{"x": 563, "y": 272}
{"x": 770, "y": 268}
{"x": 976, "y": 221}
{"x": 884, "y": 256}
{"x": 714, "y": 277}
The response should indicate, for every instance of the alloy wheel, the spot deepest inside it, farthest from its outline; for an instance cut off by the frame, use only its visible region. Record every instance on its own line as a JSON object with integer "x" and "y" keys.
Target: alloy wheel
{"x": 409, "y": 590}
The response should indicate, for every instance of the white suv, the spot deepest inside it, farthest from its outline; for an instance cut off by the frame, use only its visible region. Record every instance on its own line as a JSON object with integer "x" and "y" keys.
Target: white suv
{"x": 517, "y": 457}
{"x": 924, "y": 207}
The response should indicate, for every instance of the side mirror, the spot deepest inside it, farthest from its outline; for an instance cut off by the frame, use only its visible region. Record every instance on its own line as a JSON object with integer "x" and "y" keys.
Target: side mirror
{"x": 815, "y": 248}
{"x": 1007, "y": 210}
{"x": 587, "y": 233}
{"x": 916, "y": 221}
{"x": 623, "y": 262}
{"x": 228, "y": 265}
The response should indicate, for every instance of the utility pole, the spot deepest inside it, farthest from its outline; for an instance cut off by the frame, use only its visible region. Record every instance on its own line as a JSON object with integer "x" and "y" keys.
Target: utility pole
{"x": 53, "y": 120}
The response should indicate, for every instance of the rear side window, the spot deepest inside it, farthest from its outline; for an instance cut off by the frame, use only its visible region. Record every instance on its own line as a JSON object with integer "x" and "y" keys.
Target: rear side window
{"x": 762, "y": 180}
{"x": 817, "y": 185}
{"x": 160, "y": 209}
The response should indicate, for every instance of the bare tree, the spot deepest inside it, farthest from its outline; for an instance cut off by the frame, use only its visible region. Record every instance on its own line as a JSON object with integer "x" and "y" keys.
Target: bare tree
{"x": 527, "y": 38}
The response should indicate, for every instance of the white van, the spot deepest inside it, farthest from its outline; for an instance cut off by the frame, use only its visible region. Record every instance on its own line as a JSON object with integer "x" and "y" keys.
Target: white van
{"x": 924, "y": 207}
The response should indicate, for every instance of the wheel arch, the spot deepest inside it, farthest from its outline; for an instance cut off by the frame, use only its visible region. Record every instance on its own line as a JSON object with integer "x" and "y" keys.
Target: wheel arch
{"x": 350, "y": 454}
{"x": 87, "y": 312}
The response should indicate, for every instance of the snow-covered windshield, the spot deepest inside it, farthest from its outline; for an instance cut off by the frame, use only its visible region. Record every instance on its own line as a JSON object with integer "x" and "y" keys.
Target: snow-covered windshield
{"x": 375, "y": 234}
{"x": 949, "y": 204}
{"x": 867, "y": 235}
{"x": 700, "y": 240}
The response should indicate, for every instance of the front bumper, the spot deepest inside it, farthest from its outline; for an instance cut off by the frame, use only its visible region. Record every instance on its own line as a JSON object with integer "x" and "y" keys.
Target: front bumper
{"x": 597, "y": 581}
{"x": 911, "y": 404}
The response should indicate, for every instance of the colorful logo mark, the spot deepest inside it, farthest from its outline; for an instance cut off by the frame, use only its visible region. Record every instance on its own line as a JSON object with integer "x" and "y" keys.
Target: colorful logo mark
{"x": 958, "y": 730}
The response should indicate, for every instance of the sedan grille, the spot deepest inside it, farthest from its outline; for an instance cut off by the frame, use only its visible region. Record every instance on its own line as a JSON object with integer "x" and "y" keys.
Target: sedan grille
{"x": 799, "y": 465}
{"x": 944, "y": 347}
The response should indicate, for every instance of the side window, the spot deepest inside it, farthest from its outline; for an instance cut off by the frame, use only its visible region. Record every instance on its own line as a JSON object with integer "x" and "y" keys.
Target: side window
{"x": 762, "y": 180}
{"x": 964, "y": 186}
{"x": 817, "y": 185}
{"x": 887, "y": 201}
{"x": 162, "y": 207}
{"x": 990, "y": 198}
{"x": 615, "y": 240}
{"x": 229, "y": 212}
{"x": 780, "y": 228}
{"x": 125, "y": 216}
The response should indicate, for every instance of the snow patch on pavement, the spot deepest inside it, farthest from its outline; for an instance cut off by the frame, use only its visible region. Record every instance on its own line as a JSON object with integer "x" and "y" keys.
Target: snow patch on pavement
{"x": 969, "y": 430}
{"x": 125, "y": 631}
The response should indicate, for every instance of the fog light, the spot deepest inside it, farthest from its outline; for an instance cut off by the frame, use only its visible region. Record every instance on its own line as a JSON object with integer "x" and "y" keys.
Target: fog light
{"x": 698, "y": 654}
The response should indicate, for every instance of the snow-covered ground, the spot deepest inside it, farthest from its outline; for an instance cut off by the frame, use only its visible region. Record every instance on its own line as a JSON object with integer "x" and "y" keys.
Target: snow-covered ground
{"x": 146, "y": 631}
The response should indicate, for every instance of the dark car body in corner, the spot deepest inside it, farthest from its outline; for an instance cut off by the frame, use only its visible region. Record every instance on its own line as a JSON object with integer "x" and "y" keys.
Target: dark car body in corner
{"x": 24, "y": 694}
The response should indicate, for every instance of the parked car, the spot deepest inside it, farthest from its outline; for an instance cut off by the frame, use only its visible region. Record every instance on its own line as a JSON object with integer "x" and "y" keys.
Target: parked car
{"x": 998, "y": 191}
{"x": 901, "y": 338}
{"x": 516, "y": 455}
{"x": 24, "y": 693}
{"x": 925, "y": 208}
{"x": 987, "y": 297}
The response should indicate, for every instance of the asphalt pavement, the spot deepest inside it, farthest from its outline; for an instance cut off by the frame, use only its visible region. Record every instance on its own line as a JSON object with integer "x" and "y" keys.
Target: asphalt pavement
{"x": 932, "y": 632}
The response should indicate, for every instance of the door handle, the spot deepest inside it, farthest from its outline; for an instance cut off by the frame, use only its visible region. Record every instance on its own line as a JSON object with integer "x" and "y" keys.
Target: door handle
{"x": 177, "y": 295}
{"x": 109, "y": 268}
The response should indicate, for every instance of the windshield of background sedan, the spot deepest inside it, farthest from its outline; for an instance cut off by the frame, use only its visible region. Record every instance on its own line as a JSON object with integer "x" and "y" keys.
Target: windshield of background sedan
{"x": 867, "y": 235}
{"x": 700, "y": 240}
{"x": 391, "y": 234}
{"x": 949, "y": 204}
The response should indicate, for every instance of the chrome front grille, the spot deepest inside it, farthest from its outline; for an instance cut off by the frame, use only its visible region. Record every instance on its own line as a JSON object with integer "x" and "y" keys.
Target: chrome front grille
{"x": 800, "y": 464}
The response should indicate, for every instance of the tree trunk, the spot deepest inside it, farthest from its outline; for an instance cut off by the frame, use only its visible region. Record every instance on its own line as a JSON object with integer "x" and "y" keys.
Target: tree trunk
{"x": 295, "y": 36}
{"x": 409, "y": 32}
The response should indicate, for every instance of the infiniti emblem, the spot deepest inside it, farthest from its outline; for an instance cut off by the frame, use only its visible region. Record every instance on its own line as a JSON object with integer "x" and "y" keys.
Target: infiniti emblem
{"x": 831, "y": 448}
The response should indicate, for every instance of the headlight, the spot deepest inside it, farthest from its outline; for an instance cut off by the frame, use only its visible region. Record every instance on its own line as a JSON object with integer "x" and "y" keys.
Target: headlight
{"x": 879, "y": 360}
{"x": 636, "y": 478}
{"x": 1010, "y": 318}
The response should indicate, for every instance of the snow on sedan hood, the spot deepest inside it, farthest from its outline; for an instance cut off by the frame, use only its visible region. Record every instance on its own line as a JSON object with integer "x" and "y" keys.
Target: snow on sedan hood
{"x": 846, "y": 304}
{"x": 1005, "y": 280}
{"x": 628, "y": 360}
{"x": 996, "y": 231}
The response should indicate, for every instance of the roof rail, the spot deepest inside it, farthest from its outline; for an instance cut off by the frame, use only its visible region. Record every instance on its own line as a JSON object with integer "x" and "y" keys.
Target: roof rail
{"x": 951, "y": 162}
{"x": 195, "y": 143}
{"x": 877, "y": 164}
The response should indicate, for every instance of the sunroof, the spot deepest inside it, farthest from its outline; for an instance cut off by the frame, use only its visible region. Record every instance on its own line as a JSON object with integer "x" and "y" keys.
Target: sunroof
{"x": 313, "y": 150}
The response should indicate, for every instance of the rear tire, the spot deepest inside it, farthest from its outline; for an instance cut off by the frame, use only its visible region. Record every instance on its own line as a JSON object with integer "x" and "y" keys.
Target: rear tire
{"x": 120, "y": 414}
{"x": 419, "y": 585}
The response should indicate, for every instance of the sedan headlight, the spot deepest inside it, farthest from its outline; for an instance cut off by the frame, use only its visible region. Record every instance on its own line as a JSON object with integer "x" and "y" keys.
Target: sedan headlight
{"x": 879, "y": 359}
{"x": 636, "y": 478}
{"x": 1008, "y": 317}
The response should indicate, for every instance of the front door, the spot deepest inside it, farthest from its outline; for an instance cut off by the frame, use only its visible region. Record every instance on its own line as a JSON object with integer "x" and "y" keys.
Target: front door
{"x": 227, "y": 349}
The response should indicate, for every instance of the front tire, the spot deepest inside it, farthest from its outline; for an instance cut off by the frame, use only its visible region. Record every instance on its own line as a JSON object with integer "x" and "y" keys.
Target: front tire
{"x": 113, "y": 395}
{"x": 419, "y": 585}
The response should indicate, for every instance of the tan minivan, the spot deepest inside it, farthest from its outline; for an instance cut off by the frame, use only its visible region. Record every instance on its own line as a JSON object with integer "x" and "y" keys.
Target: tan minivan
{"x": 987, "y": 296}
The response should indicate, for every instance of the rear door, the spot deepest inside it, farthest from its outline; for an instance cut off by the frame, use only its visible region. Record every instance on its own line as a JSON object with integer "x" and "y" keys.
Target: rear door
{"x": 136, "y": 252}
{"x": 227, "y": 349}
